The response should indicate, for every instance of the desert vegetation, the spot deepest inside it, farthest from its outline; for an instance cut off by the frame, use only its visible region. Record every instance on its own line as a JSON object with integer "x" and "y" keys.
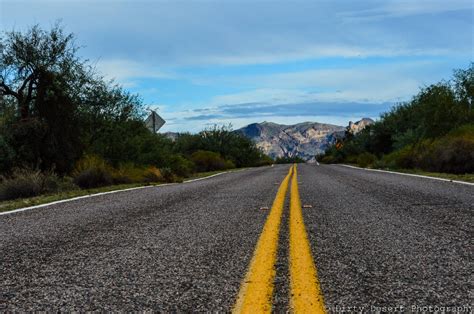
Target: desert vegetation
{"x": 63, "y": 126}
{"x": 434, "y": 131}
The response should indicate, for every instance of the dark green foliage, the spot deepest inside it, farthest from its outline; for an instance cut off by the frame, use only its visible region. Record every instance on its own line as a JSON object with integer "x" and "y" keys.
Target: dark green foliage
{"x": 168, "y": 175}
{"x": 57, "y": 114}
{"x": 28, "y": 182}
{"x": 366, "y": 159}
{"x": 424, "y": 133}
{"x": 22, "y": 183}
{"x": 230, "y": 145}
{"x": 210, "y": 161}
{"x": 92, "y": 178}
{"x": 7, "y": 155}
{"x": 453, "y": 153}
{"x": 289, "y": 160}
{"x": 181, "y": 166}
{"x": 92, "y": 171}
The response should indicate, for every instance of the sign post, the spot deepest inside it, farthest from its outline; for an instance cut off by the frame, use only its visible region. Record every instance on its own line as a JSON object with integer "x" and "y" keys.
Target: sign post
{"x": 154, "y": 122}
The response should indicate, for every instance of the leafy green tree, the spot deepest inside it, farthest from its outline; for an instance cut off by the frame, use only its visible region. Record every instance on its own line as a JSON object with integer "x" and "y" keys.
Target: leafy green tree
{"x": 25, "y": 58}
{"x": 38, "y": 74}
{"x": 417, "y": 133}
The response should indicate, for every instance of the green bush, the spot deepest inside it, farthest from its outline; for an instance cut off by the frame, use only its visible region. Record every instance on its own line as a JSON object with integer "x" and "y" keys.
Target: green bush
{"x": 181, "y": 166}
{"x": 22, "y": 183}
{"x": 264, "y": 161}
{"x": 453, "y": 153}
{"x": 91, "y": 172}
{"x": 434, "y": 131}
{"x": 93, "y": 178}
{"x": 153, "y": 175}
{"x": 27, "y": 183}
{"x": 168, "y": 175}
{"x": 331, "y": 159}
{"x": 366, "y": 160}
{"x": 128, "y": 173}
{"x": 210, "y": 161}
{"x": 380, "y": 164}
{"x": 402, "y": 158}
{"x": 455, "y": 156}
{"x": 7, "y": 155}
{"x": 352, "y": 159}
{"x": 289, "y": 160}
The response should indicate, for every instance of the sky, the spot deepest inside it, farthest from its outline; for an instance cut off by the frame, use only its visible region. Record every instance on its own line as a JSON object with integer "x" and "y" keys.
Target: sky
{"x": 200, "y": 63}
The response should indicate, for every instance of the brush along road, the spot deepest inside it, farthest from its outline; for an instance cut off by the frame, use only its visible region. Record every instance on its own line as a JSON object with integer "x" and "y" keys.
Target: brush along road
{"x": 245, "y": 242}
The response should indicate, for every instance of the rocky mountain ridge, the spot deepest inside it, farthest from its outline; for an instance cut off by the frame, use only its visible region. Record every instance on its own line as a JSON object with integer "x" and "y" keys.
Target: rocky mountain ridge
{"x": 304, "y": 140}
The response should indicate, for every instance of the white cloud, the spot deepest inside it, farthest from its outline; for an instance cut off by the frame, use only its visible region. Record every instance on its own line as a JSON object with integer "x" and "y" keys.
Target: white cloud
{"x": 363, "y": 83}
{"x": 175, "y": 33}
{"x": 404, "y": 8}
{"x": 124, "y": 70}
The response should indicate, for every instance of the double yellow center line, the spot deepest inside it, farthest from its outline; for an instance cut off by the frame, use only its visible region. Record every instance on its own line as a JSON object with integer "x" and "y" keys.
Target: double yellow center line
{"x": 256, "y": 291}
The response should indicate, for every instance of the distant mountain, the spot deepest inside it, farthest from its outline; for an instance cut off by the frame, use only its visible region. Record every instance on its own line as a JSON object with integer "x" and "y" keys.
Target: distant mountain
{"x": 356, "y": 127}
{"x": 304, "y": 140}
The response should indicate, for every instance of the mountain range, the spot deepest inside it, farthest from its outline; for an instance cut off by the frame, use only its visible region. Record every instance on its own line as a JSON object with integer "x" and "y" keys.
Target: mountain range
{"x": 304, "y": 140}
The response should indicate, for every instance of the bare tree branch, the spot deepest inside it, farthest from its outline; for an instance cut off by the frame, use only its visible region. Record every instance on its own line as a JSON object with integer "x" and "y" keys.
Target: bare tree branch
{"x": 7, "y": 91}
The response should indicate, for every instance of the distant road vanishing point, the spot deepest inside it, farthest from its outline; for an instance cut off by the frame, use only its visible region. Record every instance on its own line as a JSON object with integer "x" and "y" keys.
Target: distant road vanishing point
{"x": 308, "y": 238}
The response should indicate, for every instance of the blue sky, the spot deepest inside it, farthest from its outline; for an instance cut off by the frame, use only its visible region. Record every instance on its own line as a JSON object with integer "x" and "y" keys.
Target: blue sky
{"x": 207, "y": 62}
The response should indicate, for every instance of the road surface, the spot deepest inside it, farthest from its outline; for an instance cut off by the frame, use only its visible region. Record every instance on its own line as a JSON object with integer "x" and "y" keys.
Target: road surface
{"x": 374, "y": 240}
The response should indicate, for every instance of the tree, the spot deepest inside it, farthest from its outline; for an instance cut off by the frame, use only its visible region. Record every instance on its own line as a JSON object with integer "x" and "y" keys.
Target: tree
{"x": 57, "y": 106}
{"x": 464, "y": 86}
{"x": 25, "y": 57}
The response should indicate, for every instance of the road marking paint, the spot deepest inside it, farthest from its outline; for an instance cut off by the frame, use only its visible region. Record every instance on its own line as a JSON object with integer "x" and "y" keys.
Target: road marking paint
{"x": 408, "y": 174}
{"x": 306, "y": 295}
{"x": 75, "y": 198}
{"x": 256, "y": 291}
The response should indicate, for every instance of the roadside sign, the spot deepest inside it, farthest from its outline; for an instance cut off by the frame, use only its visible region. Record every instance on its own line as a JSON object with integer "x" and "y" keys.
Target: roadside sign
{"x": 154, "y": 122}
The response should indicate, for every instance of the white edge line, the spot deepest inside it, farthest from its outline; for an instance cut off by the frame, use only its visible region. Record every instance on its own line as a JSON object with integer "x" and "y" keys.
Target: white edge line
{"x": 408, "y": 174}
{"x": 208, "y": 177}
{"x": 105, "y": 193}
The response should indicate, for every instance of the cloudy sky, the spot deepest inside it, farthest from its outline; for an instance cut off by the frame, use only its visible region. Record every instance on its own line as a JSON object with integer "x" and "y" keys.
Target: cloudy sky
{"x": 206, "y": 62}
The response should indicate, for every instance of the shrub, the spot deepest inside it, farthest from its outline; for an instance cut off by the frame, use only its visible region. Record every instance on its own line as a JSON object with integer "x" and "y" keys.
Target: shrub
{"x": 380, "y": 164}
{"x": 182, "y": 166}
{"x": 7, "y": 155}
{"x": 92, "y": 171}
{"x": 330, "y": 159}
{"x": 366, "y": 160}
{"x": 264, "y": 161}
{"x": 152, "y": 174}
{"x": 128, "y": 173}
{"x": 210, "y": 161}
{"x": 352, "y": 159}
{"x": 168, "y": 175}
{"x": 402, "y": 158}
{"x": 289, "y": 160}
{"x": 28, "y": 182}
{"x": 453, "y": 153}
{"x": 455, "y": 156}
{"x": 22, "y": 183}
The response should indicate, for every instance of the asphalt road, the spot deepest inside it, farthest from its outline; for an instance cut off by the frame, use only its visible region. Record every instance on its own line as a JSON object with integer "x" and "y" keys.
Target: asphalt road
{"x": 377, "y": 240}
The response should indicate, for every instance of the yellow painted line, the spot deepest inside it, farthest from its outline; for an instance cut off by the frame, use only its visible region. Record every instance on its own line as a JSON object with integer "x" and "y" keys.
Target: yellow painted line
{"x": 256, "y": 291}
{"x": 306, "y": 295}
